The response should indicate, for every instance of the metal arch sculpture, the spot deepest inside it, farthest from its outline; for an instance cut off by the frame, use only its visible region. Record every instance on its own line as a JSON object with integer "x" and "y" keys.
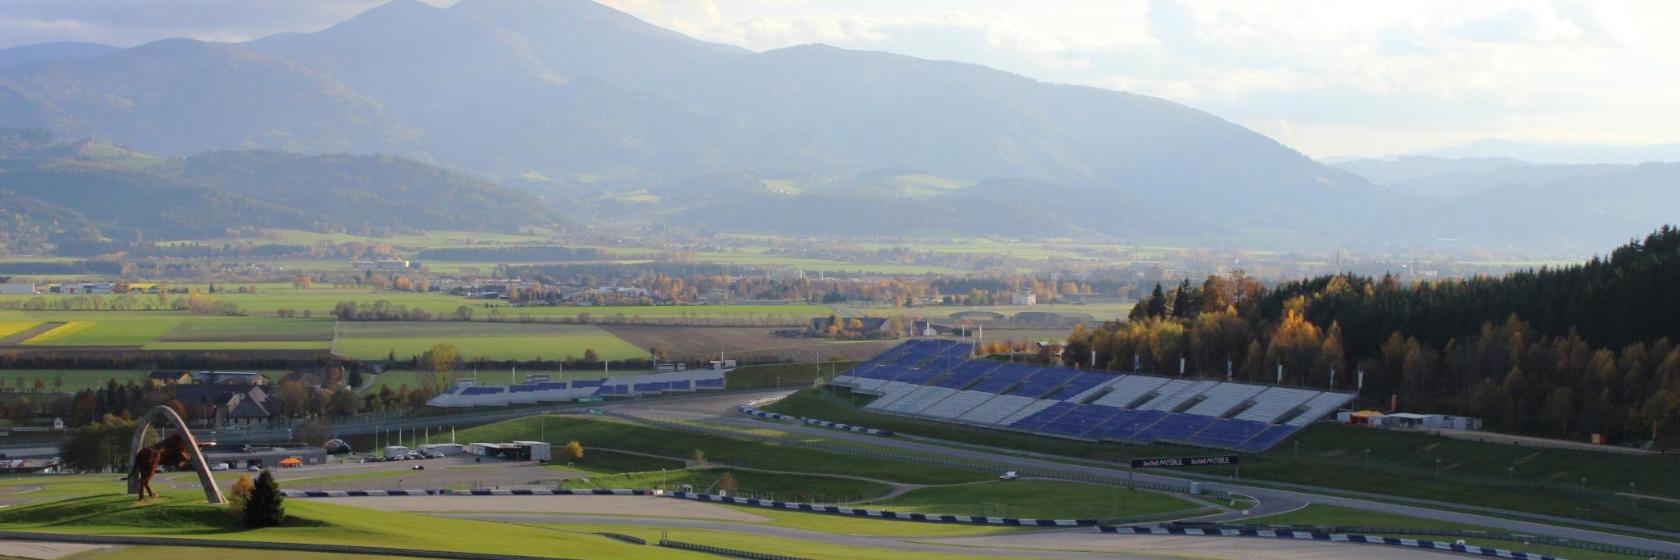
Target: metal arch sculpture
{"x": 137, "y": 481}
{"x": 329, "y": 445}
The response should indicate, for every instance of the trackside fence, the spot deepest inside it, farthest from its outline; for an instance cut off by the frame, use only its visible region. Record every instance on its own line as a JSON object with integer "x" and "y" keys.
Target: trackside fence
{"x": 721, "y": 551}
{"x": 1126, "y": 481}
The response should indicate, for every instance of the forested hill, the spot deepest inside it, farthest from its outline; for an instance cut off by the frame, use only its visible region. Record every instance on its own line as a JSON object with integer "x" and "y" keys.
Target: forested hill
{"x": 81, "y": 198}
{"x": 1561, "y": 352}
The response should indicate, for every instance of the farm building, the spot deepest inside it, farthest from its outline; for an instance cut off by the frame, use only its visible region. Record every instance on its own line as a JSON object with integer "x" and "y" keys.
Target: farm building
{"x": 17, "y": 289}
{"x": 516, "y": 451}
{"x": 270, "y": 456}
{"x": 447, "y": 449}
{"x": 227, "y": 406}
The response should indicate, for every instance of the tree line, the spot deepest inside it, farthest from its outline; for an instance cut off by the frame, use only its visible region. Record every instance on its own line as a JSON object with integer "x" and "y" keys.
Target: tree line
{"x": 1558, "y": 351}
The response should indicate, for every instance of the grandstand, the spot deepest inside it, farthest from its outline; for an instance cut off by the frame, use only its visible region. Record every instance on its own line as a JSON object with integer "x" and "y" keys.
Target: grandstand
{"x": 467, "y": 393}
{"x": 940, "y": 380}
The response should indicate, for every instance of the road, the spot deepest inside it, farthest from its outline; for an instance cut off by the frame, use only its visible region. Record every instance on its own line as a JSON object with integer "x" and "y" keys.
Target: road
{"x": 720, "y": 410}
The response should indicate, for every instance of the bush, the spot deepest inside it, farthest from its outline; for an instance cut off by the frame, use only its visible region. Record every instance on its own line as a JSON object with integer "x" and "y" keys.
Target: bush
{"x": 239, "y": 495}
{"x": 573, "y": 451}
{"x": 266, "y": 507}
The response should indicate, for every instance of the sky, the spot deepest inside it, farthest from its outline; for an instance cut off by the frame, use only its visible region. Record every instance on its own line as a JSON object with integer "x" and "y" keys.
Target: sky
{"x": 1327, "y": 77}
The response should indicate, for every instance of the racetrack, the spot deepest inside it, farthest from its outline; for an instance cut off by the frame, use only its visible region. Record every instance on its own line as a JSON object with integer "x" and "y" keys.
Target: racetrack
{"x": 722, "y": 412}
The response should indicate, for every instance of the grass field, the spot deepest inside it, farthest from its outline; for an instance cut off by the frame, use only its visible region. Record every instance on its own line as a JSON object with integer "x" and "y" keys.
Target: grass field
{"x": 517, "y": 341}
{"x": 1038, "y": 499}
{"x": 718, "y": 450}
{"x": 769, "y": 486}
{"x": 86, "y": 504}
{"x": 1398, "y": 463}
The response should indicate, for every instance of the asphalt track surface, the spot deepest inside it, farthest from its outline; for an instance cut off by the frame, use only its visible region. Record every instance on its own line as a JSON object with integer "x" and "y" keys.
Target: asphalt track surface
{"x": 719, "y": 410}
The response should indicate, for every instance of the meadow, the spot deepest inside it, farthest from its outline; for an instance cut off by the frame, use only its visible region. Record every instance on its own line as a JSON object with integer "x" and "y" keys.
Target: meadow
{"x": 501, "y": 341}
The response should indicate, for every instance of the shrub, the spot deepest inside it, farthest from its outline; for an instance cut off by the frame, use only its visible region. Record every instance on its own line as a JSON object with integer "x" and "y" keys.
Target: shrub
{"x": 573, "y": 451}
{"x": 239, "y": 495}
{"x": 267, "y": 506}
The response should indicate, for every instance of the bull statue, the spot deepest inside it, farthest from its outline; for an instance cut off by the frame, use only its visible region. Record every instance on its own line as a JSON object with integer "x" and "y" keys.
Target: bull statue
{"x": 170, "y": 451}
{"x": 179, "y": 450}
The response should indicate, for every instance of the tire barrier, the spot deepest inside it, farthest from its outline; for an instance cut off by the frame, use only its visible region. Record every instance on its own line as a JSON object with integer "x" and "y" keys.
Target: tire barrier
{"x": 1443, "y": 546}
{"x": 477, "y": 492}
{"x": 621, "y": 537}
{"x": 884, "y": 514}
{"x": 720, "y": 551}
{"x": 848, "y": 427}
{"x": 749, "y": 410}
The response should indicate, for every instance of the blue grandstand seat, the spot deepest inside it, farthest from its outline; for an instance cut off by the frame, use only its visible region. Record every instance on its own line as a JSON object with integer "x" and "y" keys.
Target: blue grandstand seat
{"x": 1080, "y": 383}
{"x": 1176, "y": 427}
{"x": 1043, "y": 382}
{"x": 1003, "y": 378}
{"x": 1042, "y": 417}
{"x": 1080, "y": 420}
{"x": 1271, "y": 437}
{"x": 965, "y": 374}
{"x": 1228, "y": 433}
{"x": 1123, "y": 426}
{"x": 709, "y": 383}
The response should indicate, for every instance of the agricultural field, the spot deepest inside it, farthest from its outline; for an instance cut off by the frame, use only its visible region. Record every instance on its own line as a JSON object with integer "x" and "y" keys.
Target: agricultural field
{"x": 743, "y": 343}
{"x": 161, "y": 330}
{"x": 505, "y": 341}
{"x": 321, "y": 300}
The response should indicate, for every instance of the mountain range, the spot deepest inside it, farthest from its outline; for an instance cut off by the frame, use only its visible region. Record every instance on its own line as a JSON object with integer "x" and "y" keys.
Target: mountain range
{"x": 613, "y": 120}
{"x": 79, "y": 198}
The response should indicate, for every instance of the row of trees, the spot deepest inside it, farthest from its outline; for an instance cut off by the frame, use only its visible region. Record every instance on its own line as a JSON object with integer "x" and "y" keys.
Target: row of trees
{"x": 1560, "y": 352}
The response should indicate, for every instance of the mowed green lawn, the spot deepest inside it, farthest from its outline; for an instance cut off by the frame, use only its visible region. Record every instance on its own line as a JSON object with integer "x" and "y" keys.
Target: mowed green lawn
{"x": 1038, "y": 499}
{"x": 497, "y": 341}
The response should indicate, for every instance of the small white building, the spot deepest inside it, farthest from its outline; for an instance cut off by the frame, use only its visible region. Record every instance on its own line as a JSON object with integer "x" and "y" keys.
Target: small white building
{"x": 1407, "y": 420}
{"x": 1023, "y": 298}
{"x": 540, "y": 450}
{"x": 446, "y": 449}
{"x": 17, "y": 289}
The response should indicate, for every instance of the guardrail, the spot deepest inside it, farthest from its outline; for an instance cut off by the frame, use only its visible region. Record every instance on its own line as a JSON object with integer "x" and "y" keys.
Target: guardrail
{"x": 1454, "y": 533}
{"x": 632, "y": 539}
{"x": 885, "y": 514}
{"x": 721, "y": 551}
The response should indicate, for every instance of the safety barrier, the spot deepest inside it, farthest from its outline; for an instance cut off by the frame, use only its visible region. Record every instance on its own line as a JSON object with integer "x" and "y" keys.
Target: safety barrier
{"x": 621, "y": 537}
{"x": 1332, "y": 537}
{"x": 848, "y": 427}
{"x": 751, "y": 409}
{"x": 884, "y": 514}
{"x": 721, "y": 551}
{"x": 474, "y": 492}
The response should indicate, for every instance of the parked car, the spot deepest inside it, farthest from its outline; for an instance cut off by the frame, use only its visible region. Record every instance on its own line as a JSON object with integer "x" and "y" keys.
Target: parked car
{"x": 254, "y": 468}
{"x": 1008, "y": 475}
{"x": 219, "y": 467}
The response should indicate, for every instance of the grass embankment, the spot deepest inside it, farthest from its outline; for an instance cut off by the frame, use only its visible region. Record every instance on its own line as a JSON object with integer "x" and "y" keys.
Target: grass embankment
{"x": 179, "y": 514}
{"x": 718, "y": 450}
{"x": 1520, "y": 478}
{"x": 784, "y": 375}
{"x": 611, "y": 469}
{"x": 781, "y": 545}
{"x": 1322, "y": 515}
{"x": 1037, "y": 499}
